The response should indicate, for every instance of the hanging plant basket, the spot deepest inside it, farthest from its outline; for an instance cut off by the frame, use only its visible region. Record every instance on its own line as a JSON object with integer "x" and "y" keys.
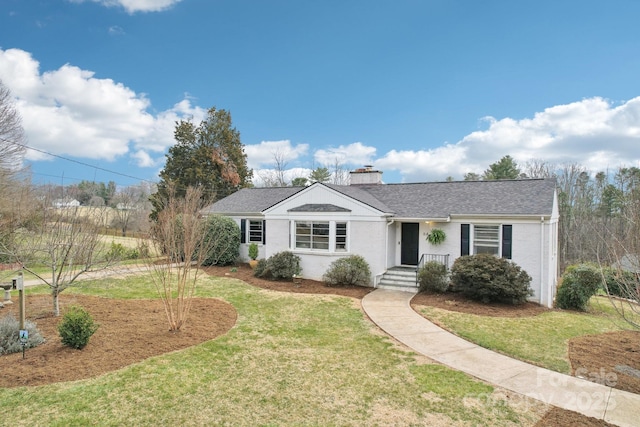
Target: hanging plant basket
{"x": 436, "y": 236}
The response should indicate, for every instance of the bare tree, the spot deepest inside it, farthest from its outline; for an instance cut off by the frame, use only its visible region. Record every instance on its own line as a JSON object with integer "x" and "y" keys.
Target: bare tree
{"x": 340, "y": 173}
{"x": 276, "y": 176}
{"x": 178, "y": 233}
{"x": 67, "y": 242}
{"x": 127, "y": 204}
{"x": 12, "y": 136}
{"x": 538, "y": 168}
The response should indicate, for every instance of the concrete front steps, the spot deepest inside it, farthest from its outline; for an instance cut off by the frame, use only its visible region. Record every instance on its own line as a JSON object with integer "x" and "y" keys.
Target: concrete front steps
{"x": 399, "y": 279}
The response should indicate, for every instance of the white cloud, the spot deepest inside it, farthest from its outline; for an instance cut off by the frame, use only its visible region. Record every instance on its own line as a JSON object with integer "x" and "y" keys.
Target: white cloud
{"x": 265, "y": 153}
{"x": 353, "y": 154}
{"x": 425, "y": 165}
{"x": 594, "y": 133}
{"x": 133, "y": 6}
{"x": 144, "y": 160}
{"x": 69, "y": 111}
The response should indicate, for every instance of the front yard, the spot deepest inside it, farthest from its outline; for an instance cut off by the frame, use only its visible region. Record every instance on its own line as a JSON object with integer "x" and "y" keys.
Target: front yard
{"x": 290, "y": 359}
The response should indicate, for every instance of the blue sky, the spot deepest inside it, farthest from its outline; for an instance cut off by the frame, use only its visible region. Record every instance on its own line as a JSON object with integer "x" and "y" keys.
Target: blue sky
{"x": 422, "y": 90}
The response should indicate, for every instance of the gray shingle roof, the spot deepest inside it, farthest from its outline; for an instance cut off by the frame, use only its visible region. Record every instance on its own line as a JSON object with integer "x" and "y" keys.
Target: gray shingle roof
{"x": 251, "y": 200}
{"x": 420, "y": 200}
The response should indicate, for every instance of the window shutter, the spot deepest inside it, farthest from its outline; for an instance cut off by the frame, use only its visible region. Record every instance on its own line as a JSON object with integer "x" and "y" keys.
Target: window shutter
{"x": 243, "y": 231}
{"x": 507, "y": 232}
{"x": 464, "y": 239}
{"x": 264, "y": 231}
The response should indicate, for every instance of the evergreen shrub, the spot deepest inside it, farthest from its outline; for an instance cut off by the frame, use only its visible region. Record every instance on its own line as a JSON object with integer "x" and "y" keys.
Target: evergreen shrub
{"x": 77, "y": 327}
{"x": 487, "y": 278}
{"x": 433, "y": 277}
{"x": 351, "y": 270}
{"x": 579, "y": 283}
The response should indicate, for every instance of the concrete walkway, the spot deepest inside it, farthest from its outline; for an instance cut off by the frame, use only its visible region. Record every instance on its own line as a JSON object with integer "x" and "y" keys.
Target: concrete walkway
{"x": 391, "y": 311}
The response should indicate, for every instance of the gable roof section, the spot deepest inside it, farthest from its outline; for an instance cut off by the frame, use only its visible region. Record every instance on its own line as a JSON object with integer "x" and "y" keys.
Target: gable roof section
{"x": 430, "y": 200}
{"x": 251, "y": 200}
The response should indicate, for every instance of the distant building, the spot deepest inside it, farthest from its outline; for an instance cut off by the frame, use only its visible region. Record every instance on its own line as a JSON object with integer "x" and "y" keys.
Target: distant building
{"x": 66, "y": 202}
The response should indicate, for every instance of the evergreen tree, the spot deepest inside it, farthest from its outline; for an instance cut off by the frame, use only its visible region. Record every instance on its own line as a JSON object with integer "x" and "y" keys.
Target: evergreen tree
{"x": 320, "y": 174}
{"x": 505, "y": 168}
{"x": 209, "y": 157}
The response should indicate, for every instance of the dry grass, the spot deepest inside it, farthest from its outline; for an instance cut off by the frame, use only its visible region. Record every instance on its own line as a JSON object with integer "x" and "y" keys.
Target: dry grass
{"x": 291, "y": 359}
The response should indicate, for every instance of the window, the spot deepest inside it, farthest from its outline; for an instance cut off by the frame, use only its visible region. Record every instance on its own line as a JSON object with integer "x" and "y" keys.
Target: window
{"x": 252, "y": 231}
{"x": 486, "y": 239}
{"x": 341, "y": 236}
{"x": 321, "y": 235}
{"x": 255, "y": 231}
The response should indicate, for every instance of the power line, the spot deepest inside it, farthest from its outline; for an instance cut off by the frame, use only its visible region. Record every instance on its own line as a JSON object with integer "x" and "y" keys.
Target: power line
{"x": 78, "y": 162}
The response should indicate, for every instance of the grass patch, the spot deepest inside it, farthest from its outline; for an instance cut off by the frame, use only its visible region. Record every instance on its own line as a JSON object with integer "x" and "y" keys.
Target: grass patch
{"x": 541, "y": 340}
{"x": 292, "y": 359}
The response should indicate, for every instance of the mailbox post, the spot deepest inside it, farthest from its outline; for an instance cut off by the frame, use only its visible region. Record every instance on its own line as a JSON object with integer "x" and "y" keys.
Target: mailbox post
{"x": 20, "y": 286}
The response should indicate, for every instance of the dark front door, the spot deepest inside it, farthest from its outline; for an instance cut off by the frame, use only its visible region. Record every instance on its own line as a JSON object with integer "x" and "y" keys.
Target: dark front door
{"x": 409, "y": 245}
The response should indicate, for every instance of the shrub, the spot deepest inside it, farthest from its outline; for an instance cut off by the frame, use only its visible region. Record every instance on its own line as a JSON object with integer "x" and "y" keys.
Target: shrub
{"x": 10, "y": 335}
{"x": 261, "y": 269}
{"x": 76, "y": 327}
{"x": 223, "y": 240}
{"x": 620, "y": 283}
{"x": 120, "y": 252}
{"x": 351, "y": 270}
{"x": 253, "y": 251}
{"x": 283, "y": 265}
{"x": 488, "y": 278}
{"x": 432, "y": 277}
{"x": 579, "y": 283}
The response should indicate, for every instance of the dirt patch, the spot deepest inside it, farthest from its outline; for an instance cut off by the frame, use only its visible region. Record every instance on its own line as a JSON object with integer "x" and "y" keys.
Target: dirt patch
{"x": 557, "y": 417}
{"x": 457, "y": 302}
{"x": 130, "y": 331}
{"x": 612, "y": 359}
{"x": 306, "y": 286}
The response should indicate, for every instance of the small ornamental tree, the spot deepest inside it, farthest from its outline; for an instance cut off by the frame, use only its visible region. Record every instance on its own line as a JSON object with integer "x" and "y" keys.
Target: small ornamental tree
{"x": 488, "y": 278}
{"x": 351, "y": 270}
{"x": 178, "y": 233}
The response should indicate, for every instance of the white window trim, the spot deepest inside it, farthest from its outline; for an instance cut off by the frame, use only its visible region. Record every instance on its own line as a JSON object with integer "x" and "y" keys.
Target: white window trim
{"x": 472, "y": 243}
{"x": 332, "y": 237}
{"x": 248, "y": 231}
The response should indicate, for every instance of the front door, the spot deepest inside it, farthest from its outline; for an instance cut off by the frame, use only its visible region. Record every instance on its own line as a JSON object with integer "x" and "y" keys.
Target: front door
{"x": 409, "y": 243}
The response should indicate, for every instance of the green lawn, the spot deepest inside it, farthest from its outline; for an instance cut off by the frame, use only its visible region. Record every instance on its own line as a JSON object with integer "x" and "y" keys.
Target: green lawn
{"x": 541, "y": 340}
{"x": 290, "y": 360}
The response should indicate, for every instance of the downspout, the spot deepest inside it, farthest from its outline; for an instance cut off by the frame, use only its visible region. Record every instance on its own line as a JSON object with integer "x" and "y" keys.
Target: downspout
{"x": 543, "y": 297}
{"x": 386, "y": 248}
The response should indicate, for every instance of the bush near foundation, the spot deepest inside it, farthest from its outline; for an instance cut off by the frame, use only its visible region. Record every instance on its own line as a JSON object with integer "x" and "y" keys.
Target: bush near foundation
{"x": 351, "y": 270}
{"x": 222, "y": 239}
{"x": 487, "y": 278}
{"x": 433, "y": 277}
{"x": 282, "y": 265}
{"x": 579, "y": 283}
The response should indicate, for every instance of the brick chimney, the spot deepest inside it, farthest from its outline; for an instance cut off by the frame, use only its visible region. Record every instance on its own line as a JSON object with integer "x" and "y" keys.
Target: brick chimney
{"x": 365, "y": 176}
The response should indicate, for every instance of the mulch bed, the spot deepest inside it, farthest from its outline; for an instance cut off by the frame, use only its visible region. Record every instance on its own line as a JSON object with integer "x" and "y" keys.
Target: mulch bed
{"x": 129, "y": 332}
{"x": 133, "y": 330}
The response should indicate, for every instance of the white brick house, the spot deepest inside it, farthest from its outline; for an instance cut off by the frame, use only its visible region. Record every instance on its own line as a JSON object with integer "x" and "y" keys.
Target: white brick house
{"x": 387, "y": 224}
